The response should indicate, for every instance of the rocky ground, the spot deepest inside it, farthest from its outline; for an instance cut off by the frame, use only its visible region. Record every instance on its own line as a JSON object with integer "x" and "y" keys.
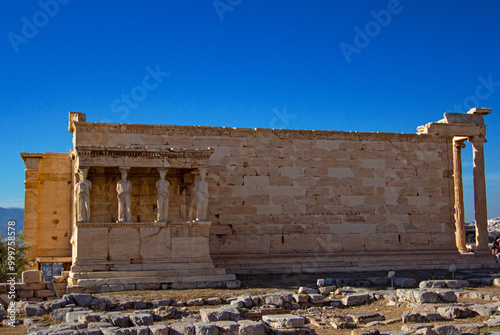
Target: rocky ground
{"x": 362, "y": 303}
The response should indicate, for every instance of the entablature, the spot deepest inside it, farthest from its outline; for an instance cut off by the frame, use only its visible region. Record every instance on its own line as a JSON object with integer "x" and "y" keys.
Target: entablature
{"x": 470, "y": 124}
{"x": 141, "y": 156}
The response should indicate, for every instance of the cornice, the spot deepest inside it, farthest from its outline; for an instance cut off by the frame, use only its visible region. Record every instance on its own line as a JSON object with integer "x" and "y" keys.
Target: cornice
{"x": 172, "y": 130}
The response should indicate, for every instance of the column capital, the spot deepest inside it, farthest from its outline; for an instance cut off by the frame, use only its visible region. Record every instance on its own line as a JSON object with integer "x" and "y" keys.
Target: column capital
{"x": 83, "y": 172}
{"x": 77, "y": 168}
{"x": 82, "y": 168}
{"x": 124, "y": 169}
{"x": 459, "y": 142}
{"x": 475, "y": 140}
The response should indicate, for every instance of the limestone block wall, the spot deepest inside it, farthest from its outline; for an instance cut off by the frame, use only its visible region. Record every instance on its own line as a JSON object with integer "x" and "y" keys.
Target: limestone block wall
{"x": 48, "y": 198}
{"x": 297, "y": 192}
{"x": 310, "y": 196}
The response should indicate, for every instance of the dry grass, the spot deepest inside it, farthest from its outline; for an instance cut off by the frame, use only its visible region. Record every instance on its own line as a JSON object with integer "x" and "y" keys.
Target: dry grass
{"x": 16, "y": 330}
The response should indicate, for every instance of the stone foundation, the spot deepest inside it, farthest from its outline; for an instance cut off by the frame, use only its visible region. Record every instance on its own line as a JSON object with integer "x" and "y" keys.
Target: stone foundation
{"x": 156, "y": 255}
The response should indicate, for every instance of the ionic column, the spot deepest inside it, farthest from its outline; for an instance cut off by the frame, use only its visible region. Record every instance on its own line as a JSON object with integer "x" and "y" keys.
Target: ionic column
{"x": 458, "y": 144}
{"x": 480, "y": 209}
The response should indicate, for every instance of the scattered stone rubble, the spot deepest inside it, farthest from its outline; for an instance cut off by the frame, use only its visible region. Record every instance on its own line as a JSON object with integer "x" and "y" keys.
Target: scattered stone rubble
{"x": 294, "y": 313}
{"x": 34, "y": 289}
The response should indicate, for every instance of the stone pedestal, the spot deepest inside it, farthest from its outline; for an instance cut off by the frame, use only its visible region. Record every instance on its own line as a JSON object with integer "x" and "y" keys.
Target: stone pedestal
{"x": 156, "y": 253}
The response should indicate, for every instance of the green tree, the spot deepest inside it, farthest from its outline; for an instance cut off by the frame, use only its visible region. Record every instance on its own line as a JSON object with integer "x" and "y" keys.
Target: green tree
{"x": 12, "y": 260}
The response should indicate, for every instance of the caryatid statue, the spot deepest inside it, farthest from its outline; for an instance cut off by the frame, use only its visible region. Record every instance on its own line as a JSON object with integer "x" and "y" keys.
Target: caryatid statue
{"x": 82, "y": 189}
{"x": 201, "y": 192}
{"x": 123, "y": 188}
{"x": 162, "y": 195}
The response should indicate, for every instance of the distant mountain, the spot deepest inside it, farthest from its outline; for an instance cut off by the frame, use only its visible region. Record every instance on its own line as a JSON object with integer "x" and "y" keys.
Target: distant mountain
{"x": 11, "y": 214}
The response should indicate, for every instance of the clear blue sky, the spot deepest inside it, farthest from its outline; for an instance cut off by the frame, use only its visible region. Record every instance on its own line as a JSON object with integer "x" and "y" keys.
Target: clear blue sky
{"x": 386, "y": 66}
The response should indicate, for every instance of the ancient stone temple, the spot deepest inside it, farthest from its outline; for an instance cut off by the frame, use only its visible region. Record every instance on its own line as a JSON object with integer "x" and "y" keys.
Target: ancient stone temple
{"x": 156, "y": 206}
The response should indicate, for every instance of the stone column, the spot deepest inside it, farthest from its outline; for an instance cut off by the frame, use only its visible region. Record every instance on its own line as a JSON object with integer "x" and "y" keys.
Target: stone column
{"x": 192, "y": 202}
{"x": 480, "y": 210}
{"x": 82, "y": 196}
{"x": 458, "y": 144}
{"x": 200, "y": 199}
{"x": 201, "y": 190}
{"x": 162, "y": 194}
{"x": 123, "y": 189}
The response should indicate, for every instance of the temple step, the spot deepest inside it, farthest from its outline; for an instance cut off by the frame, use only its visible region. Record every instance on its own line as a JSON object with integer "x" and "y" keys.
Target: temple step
{"x": 289, "y": 263}
{"x": 169, "y": 273}
{"x": 96, "y": 283}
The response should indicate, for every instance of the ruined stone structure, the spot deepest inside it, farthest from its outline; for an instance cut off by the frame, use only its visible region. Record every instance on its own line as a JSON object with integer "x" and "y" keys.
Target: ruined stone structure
{"x": 174, "y": 206}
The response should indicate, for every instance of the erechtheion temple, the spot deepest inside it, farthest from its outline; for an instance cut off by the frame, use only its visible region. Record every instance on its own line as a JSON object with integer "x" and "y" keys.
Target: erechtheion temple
{"x": 191, "y": 206}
